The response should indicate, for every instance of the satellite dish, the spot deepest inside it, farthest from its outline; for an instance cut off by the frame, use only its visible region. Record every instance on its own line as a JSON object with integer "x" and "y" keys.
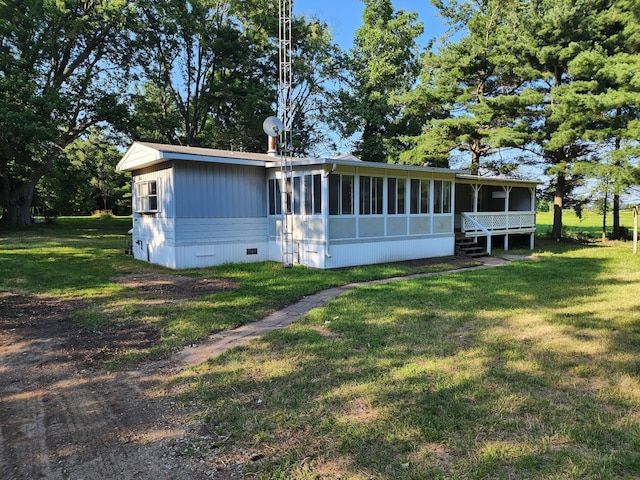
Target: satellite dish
{"x": 272, "y": 126}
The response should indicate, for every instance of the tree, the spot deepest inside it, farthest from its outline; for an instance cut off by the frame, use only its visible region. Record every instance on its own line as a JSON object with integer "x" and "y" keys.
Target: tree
{"x": 210, "y": 70}
{"x": 609, "y": 78}
{"x": 552, "y": 33}
{"x": 470, "y": 90}
{"x": 381, "y": 66}
{"x": 84, "y": 179}
{"x": 62, "y": 71}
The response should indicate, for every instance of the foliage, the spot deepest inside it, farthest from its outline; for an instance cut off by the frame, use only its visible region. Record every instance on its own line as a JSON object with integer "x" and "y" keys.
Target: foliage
{"x": 210, "y": 73}
{"x": 471, "y": 90}
{"x": 381, "y": 66}
{"x": 56, "y": 59}
{"x": 565, "y": 42}
{"x": 83, "y": 179}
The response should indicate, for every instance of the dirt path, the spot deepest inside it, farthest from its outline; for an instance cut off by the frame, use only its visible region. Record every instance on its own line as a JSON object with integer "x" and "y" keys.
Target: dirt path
{"x": 63, "y": 417}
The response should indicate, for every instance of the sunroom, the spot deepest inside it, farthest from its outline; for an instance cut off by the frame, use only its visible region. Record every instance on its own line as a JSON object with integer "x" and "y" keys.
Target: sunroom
{"x": 346, "y": 212}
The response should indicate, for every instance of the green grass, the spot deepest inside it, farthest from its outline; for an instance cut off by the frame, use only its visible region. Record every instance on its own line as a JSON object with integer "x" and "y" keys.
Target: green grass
{"x": 588, "y": 227}
{"x": 531, "y": 370}
{"x": 524, "y": 371}
{"x": 76, "y": 259}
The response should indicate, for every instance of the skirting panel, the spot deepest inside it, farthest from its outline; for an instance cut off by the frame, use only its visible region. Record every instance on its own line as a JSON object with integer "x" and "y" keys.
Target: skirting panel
{"x": 202, "y": 255}
{"x": 366, "y": 253}
{"x": 349, "y": 255}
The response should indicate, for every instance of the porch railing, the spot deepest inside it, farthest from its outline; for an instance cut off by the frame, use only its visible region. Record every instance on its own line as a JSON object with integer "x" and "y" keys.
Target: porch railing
{"x": 469, "y": 223}
{"x": 498, "y": 222}
{"x": 484, "y": 224}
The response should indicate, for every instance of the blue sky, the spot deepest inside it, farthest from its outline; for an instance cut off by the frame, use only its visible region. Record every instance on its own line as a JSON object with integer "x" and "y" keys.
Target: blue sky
{"x": 344, "y": 17}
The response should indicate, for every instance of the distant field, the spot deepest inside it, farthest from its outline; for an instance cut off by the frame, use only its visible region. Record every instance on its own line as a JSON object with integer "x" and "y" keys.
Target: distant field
{"x": 590, "y": 225}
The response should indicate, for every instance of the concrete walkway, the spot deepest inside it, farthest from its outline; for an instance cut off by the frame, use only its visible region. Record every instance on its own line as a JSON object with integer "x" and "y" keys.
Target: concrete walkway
{"x": 221, "y": 342}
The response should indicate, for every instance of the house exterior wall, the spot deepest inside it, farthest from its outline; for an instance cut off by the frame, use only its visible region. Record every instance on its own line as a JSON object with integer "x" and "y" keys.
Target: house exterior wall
{"x": 154, "y": 231}
{"x": 214, "y": 207}
{"x": 205, "y": 190}
{"x": 208, "y": 215}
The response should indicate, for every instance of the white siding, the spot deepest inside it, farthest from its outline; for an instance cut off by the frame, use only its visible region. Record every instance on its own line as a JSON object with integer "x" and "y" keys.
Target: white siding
{"x": 163, "y": 174}
{"x": 365, "y": 253}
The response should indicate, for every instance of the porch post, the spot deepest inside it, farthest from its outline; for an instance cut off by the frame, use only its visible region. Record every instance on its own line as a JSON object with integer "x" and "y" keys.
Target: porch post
{"x": 533, "y": 209}
{"x": 325, "y": 215}
{"x": 507, "y": 191}
{"x": 476, "y": 190}
{"x": 532, "y": 190}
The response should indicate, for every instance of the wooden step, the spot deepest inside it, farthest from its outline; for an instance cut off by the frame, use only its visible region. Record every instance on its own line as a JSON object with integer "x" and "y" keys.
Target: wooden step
{"x": 466, "y": 246}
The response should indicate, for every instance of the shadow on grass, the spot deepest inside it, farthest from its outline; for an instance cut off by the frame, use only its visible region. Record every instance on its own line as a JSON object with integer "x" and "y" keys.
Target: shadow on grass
{"x": 483, "y": 374}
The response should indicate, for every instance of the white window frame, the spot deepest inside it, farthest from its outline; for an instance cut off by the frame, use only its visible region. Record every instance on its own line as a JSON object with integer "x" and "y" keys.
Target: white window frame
{"x": 144, "y": 199}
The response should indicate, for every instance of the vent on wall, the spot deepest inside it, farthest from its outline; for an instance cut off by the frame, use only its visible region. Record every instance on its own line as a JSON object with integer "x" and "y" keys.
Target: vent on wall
{"x": 252, "y": 251}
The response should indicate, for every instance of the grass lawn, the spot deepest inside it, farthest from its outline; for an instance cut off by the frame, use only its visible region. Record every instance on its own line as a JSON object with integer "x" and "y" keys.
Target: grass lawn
{"x": 588, "y": 226}
{"x": 531, "y": 370}
{"x": 525, "y": 371}
{"x": 77, "y": 258}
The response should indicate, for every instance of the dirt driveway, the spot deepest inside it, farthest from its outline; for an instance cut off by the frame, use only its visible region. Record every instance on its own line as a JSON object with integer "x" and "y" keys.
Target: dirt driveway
{"x": 62, "y": 416}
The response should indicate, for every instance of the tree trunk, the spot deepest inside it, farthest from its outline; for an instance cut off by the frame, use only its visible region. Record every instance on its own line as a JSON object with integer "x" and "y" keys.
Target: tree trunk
{"x": 17, "y": 206}
{"x": 475, "y": 157}
{"x": 616, "y": 234}
{"x": 604, "y": 217}
{"x": 558, "y": 203}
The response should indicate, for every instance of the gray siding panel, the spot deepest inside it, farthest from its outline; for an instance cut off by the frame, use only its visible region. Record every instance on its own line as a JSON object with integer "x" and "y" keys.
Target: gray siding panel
{"x": 219, "y": 191}
{"x": 212, "y": 230}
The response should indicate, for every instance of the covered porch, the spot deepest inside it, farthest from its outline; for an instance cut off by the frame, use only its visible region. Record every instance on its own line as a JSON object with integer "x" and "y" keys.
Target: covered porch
{"x": 494, "y": 210}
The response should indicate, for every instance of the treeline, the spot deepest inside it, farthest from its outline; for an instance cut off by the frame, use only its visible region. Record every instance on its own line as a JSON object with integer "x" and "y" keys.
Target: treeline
{"x": 549, "y": 83}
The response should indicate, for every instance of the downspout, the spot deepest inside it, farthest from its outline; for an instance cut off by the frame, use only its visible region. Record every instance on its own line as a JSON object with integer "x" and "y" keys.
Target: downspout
{"x": 325, "y": 210}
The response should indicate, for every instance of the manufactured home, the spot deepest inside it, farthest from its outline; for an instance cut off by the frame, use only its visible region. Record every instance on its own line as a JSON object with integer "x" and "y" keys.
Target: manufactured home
{"x": 197, "y": 207}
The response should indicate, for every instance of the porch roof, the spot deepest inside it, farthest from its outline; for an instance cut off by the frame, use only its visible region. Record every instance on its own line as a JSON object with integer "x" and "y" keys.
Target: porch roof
{"x": 497, "y": 181}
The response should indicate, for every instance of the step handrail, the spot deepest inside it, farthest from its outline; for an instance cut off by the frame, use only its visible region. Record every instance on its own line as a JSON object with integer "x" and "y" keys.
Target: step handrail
{"x": 478, "y": 226}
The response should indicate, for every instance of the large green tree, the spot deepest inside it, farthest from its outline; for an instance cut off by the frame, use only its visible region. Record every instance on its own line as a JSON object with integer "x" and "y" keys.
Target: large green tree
{"x": 62, "y": 70}
{"x": 84, "y": 179}
{"x": 607, "y": 86}
{"x": 554, "y": 35}
{"x": 210, "y": 71}
{"x": 470, "y": 89}
{"x": 380, "y": 67}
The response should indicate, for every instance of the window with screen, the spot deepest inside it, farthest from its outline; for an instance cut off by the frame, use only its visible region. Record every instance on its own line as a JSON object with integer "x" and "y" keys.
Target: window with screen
{"x": 340, "y": 194}
{"x": 395, "y": 196}
{"x": 371, "y": 195}
{"x": 441, "y": 196}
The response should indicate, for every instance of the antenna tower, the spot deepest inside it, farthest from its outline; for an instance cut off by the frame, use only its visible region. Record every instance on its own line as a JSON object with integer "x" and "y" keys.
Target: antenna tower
{"x": 285, "y": 112}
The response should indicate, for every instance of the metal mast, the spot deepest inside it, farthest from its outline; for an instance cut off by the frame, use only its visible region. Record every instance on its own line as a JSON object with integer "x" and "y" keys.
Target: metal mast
{"x": 285, "y": 111}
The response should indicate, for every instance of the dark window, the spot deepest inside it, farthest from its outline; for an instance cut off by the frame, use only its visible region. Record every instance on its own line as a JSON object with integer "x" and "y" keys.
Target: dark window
{"x": 396, "y": 198}
{"x": 275, "y": 197}
{"x": 441, "y": 196}
{"x": 370, "y": 195}
{"x": 340, "y": 195}
{"x": 297, "y": 199}
{"x": 419, "y": 196}
{"x": 317, "y": 194}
